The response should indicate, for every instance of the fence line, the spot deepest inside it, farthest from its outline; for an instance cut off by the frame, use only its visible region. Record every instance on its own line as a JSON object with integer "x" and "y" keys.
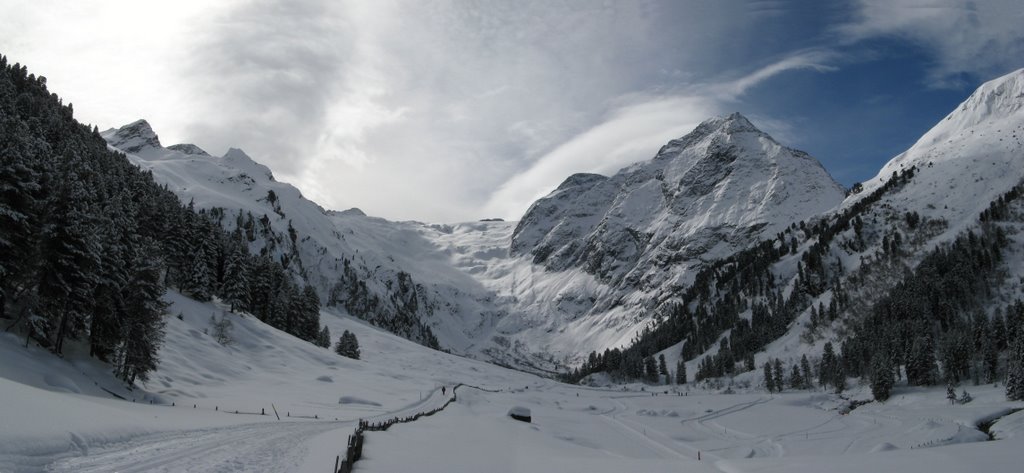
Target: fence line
{"x": 354, "y": 449}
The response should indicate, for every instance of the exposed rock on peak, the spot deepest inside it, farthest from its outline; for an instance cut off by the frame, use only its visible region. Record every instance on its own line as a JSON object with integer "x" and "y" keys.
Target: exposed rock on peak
{"x": 133, "y": 137}
{"x": 189, "y": 149}
{"x": 715, "y": 190}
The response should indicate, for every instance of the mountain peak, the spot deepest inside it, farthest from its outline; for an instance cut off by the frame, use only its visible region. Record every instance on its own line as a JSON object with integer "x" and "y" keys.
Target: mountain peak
{"x": 189, "y": 149}
{"x": 133, "y": 137}
{"x": 733, "y": 123}
{"x": 240, "y": 160}
{"x": 996, "y": 98}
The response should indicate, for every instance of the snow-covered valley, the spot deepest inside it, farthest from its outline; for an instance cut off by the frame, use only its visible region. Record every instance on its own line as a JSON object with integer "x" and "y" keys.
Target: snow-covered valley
{"x": 629, "y": 427}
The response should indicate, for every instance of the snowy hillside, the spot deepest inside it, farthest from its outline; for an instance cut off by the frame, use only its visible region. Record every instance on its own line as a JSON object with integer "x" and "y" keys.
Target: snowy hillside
{"x": 374, "y": 269}
{"x": 970, "y": 157}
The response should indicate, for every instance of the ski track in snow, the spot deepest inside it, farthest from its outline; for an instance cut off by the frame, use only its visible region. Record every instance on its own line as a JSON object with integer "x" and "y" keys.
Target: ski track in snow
{"x": 250, "y": 447}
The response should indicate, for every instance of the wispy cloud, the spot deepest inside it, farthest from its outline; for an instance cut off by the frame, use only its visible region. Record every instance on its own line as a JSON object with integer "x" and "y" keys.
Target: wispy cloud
{"x": 634, "y": 131}
{"x": 981, "y": 39}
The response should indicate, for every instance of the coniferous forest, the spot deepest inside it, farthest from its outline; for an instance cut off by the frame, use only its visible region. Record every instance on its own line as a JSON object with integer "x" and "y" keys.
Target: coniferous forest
{"x": 89, "y": 242}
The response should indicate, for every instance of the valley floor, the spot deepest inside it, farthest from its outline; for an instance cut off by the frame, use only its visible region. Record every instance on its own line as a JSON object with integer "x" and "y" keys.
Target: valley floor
{"x": 59, "y": 415}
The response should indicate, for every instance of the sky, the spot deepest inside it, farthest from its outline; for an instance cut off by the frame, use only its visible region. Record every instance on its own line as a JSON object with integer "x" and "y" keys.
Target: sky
{"x": 447, "y": 111}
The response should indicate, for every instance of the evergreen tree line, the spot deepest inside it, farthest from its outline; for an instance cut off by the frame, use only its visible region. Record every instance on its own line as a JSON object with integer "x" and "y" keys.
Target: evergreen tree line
{"x": 89, "y": 242}
{"x": 935, "y": 319}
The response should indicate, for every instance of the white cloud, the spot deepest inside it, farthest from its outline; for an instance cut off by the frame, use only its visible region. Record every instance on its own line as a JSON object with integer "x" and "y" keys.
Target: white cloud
{"x": 627, "y": 136}
{"x": 435, "y": 110}
{"x": 635, "y": 131}
{"x": 983, "y": 39}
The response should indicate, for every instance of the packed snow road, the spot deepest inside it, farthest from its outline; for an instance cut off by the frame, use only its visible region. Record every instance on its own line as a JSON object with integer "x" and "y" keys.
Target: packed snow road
{"x": 251, "y": 447}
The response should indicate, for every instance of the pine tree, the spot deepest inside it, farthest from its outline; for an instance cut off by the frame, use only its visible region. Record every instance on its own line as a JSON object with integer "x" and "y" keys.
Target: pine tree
{"x": 828, "y": 366}
{"x": 990, "y": 360}
{"x": 805, "y": 369}
{"x": 769, "y": 379}
{"x": 921, "y": 363}
{"x": 70, "y": 259}
{"x": 778, "y": 374}
{"x": 354, "y": 352}
{"x": 348, "y": 345}
{"x": 221, "y": 329}
{"x": 198, "y": 279}
{"x": 650, "y": 370}
{"x": 235, "y": 290}
{"x": 1015, "y": 369}
{"x": 342, "y": 347}
{"x": 324, "y": 339}
{"x": 309, "y": 323}
{"x": 681, "y": 372}
{"x": 881, "y": 377}
{"x": 796, "y": 381}
{"x": 662, "y": 367}
{"x": 142, "y": 320}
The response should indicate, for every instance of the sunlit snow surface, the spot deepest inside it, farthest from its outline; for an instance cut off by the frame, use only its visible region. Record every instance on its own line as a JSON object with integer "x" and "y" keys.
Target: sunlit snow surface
{"x": 55, "y": 418}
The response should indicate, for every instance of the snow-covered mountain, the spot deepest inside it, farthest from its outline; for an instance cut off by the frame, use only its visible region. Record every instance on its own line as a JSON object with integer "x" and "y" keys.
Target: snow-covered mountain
{"x": 374, "y": 269}
{"x": 585, "y": 269}
{"x": 600, "y": 255}
{"x": 923, "y": 198}
{"x": 966, "y": 160}
{"x": 590, "y": 265}
{"x": 704, "y": 195}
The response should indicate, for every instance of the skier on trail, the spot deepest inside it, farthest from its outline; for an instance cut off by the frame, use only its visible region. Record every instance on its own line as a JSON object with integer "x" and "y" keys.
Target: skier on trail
{"x": 442, "y": 390}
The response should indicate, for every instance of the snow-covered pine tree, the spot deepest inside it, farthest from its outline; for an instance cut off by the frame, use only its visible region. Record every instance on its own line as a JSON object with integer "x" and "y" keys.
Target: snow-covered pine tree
{"x": 662, "y": 367}
{"x": 235, "y": 290}
{"x": 779, "y": 375}
{"x": 805, "y": 371}
{"x": 309, "y": 302}
{"x": 198, "y": 279}
{"x": 341, "y": 346}
{"x": 1015, "y": 369}
{"x": 881, "y": 377}
{"x": 921, "y": 370}
{"x": 681, "y": 372}
{"x": 324, "y": 338}
{"x": 70, "y": 258}
{"x": 348, "y": 345}
{"x": 142, "y": 321}
{"x": 796, "y": 380}
{"x": 828, "y": 366}
{"x": 769, "y": 378}
{"x": 650, "y": 370}
{"x": 354, "y": 351}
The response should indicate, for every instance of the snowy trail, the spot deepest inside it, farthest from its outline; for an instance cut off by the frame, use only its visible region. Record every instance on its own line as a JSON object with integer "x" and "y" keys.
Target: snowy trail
{"x": 278, "y": 446}
{"x": 664, "y": 446}
{"x": 250, "y": 447}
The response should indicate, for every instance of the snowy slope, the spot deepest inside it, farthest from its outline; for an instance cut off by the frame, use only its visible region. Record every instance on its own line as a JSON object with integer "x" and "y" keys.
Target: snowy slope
{"x": 967, "y": 160}
{"x": 970, "y": 157}
{"x": 62, "y": 424}
{"x": 377, "y": 270}
{"x": 56, "y": 410}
